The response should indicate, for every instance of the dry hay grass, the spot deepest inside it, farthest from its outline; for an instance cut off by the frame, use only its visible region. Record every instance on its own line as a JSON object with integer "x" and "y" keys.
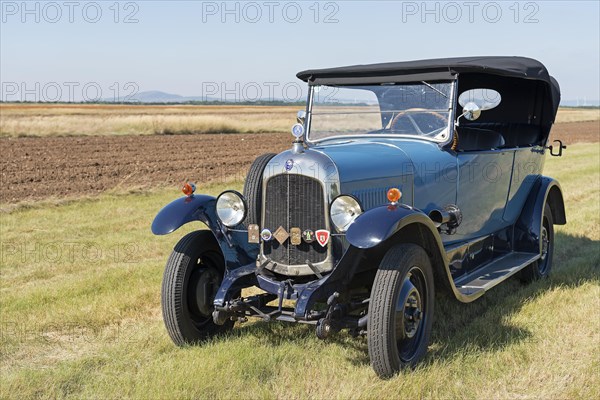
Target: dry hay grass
{"x": 105, "y": 119}
{"x": 71, "y": 120}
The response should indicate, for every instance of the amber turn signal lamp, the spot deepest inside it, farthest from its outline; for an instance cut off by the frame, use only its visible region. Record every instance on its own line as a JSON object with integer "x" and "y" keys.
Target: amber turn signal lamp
{"x": 188, "y": 188}
{"x": 393, "y": 195}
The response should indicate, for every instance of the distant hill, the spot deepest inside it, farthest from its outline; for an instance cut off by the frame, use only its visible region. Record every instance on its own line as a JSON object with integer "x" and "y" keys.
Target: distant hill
{"x": 156, "y": 96}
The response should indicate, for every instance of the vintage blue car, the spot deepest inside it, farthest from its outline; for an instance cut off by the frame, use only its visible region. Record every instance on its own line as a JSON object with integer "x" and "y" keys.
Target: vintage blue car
{"x": 403, "y": 179}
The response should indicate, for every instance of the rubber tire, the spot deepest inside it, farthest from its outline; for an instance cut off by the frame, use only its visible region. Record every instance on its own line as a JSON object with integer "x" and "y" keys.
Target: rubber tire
{"x": 383, "y": 350}
{"x": 253, "y": 188}
{"x": 176, "y": 313}
{"x": 532, "y": 272}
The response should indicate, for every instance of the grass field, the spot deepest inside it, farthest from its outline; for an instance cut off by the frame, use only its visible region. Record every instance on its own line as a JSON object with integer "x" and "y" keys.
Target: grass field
{"x": 69, "y": 120}
{"x": 80, "y": 317}
{"x": 82, "y": 119}
{"x": 574, "y": 114}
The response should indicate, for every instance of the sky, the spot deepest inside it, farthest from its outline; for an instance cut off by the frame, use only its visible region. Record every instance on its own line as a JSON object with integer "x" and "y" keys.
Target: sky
{"x": 244, "y": 50}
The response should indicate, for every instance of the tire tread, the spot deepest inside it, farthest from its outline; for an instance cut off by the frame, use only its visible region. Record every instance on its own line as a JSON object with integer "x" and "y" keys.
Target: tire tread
{"x": 394, "y": 265}
{"x": 172, "y": 301}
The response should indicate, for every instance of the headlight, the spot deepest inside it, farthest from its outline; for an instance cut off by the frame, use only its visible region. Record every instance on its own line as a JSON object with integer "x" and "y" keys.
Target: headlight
{"x": 231, "y": 208}
{"x": 344, "y": 210}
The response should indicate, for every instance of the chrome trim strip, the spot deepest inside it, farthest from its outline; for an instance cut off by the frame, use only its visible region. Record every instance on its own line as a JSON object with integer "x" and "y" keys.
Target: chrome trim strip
{"x": 370, "y": 135}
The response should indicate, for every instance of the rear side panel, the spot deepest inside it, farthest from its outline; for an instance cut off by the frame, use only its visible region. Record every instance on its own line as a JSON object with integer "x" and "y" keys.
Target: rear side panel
{"x": 528, "y": 166}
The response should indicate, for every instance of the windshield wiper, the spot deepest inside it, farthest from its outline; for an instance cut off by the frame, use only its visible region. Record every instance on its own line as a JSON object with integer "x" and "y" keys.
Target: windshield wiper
{"x": 432, "y": 88}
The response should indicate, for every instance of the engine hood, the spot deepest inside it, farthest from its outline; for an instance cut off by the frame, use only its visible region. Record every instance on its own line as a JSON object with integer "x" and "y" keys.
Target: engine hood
{"x": 368, "y": 169}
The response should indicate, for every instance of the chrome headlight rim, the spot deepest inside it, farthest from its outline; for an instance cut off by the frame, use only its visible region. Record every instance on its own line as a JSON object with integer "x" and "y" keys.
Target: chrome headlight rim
{"x": 243, "y": 202}
{"x": 341, "y": 197}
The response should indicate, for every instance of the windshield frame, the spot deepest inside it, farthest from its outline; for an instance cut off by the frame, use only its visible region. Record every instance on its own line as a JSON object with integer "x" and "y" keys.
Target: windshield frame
{"x": 451, "y": 124}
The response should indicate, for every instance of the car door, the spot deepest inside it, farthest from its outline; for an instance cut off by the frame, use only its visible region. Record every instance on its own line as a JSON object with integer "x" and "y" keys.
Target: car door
{"x": 484, "y": 178}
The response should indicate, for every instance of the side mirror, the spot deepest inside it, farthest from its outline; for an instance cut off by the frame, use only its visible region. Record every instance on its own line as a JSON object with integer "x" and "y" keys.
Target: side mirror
{"x": 475, "y": 101}
{"x": 301, "y": 117}
{"x": 471, "y": 111}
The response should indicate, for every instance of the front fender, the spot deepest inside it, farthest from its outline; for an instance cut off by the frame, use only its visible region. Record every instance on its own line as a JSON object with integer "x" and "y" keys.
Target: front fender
{"x": 183, "y": 210}
{"x": 379, "y": 224}
{"x": 382, "y": 223}
{"x": 233, "y": 243}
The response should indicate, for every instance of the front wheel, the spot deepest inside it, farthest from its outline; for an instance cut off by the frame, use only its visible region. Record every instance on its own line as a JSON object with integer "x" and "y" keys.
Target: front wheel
{"x": 400, "y": 310}
{"x": 191, "y": 279}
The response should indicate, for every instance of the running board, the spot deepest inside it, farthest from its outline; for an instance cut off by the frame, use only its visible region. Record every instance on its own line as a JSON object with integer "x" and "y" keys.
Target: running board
{"x": 475, "y": 284}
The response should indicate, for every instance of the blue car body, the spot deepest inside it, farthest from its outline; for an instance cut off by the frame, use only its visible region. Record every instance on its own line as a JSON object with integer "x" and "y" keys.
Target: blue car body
{"x": 497, "y": 192}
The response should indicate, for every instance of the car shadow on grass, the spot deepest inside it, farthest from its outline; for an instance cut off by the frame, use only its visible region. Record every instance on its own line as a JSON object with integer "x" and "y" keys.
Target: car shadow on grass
{"x": 485, "y": 324}
{"x": 482, "y": 325}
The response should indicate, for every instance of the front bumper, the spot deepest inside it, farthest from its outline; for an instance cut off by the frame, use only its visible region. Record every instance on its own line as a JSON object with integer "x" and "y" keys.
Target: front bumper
{"x": 305, "y": 295}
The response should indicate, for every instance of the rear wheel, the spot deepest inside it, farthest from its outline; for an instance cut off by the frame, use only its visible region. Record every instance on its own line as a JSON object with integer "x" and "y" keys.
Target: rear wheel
{"x": 400, "y": 310}
{"x": 541, "y": 268}
{"x": 253, "y": 187}
{"x": 192, "y": 276}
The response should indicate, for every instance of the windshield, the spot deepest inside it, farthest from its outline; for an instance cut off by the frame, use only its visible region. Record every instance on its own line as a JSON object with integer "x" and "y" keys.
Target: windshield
{"x": 414, "y": 109}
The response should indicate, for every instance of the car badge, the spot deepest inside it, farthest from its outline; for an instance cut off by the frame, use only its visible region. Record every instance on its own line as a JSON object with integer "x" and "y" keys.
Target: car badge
{"x": 322, "y": 237}
{"x": 296, "y": 236}
{"x": 253, "y": 234}
{"x": 308, "y": 236}
{"x": 297, "y": 130}
{"x": 266, "y": 235}
{"x": 281, "y": 235}
{"x": 289, "y": 164}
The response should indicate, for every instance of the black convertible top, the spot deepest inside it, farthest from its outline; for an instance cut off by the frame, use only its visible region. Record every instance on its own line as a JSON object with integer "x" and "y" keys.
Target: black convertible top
{"x": 440, "y": 69}
{"x": 520, "y": 67}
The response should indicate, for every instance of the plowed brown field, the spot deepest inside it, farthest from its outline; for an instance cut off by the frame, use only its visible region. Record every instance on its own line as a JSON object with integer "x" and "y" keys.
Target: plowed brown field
{"x": 45, "y": 167}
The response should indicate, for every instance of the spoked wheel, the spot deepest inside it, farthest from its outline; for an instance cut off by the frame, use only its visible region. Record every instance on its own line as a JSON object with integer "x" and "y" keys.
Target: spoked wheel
{"x": 192, "y": 277}
{"x": 541, "y": 268}
{"x": 400, "y": 310}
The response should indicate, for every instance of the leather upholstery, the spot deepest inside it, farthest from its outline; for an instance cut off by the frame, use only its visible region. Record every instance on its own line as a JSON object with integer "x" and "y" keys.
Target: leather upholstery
{"x": 470, "y": 139}
{"x": 489, "y": 135}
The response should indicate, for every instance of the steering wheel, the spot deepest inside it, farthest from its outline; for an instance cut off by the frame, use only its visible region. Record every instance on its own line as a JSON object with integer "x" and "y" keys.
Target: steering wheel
{"x": 407, "y": 114}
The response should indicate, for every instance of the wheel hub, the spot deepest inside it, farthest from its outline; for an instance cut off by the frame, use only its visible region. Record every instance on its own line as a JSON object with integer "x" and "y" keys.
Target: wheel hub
{"x": 412, "y": 314}
{"x": 545, "y": 243}
{"x": 409, "y": 311}
{"x": 204, "y": 286}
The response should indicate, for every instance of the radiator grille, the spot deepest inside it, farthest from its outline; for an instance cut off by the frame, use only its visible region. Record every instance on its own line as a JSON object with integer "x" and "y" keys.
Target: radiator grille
{"x": 294, "y": 201}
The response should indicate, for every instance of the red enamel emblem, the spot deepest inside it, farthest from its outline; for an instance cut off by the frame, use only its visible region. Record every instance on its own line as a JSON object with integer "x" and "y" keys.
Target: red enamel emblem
{"x": 322, "y": 237}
